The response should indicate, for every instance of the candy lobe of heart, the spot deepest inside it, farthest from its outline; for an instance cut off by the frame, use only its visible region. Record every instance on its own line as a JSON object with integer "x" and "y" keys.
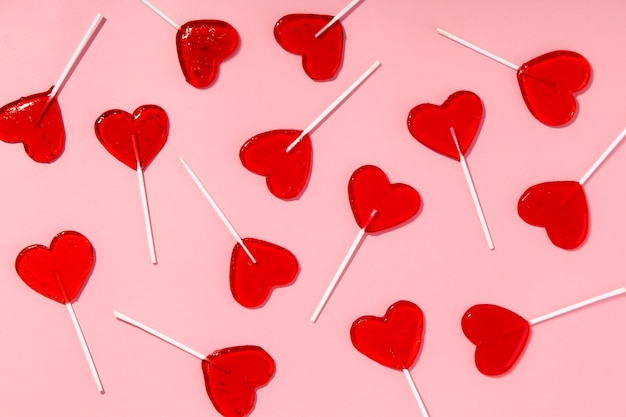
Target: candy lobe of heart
{"x": 549, "y": 83}
{"x": 499, "y": 334}
{"x": 286, "y": 173}
{"x": 202, "y": 45}
{"x": 60, "y": 271}
{"x": 561, "y": 208}
{"x": 43, "y": 137}
{"x": 149, "y": 125}
{"x": 232, "y": 376}
{"x": 393, "y": 340}
{"x": 430, "y": 123}
{"x": 322, "y": 56}
{"x": 252, "y": 283}
{"x": 369, "y": 189}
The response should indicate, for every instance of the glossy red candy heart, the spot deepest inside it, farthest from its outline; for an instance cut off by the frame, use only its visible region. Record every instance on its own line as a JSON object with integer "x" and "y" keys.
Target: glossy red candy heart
{"x": 430, "y": 124}
{"x": 149, "y": 125}
{"x": 499, "y": 334}
{"x": 393, "y": 340}
{"x": 43, "y": 137}
{"x": 251, "y": 283}
{"x": 561, "y": 208}
{"x": 202, "y": 45}
{"x": 60, "y": 271}
{"x": 286, "y": 173}
{"x": 321, "y": 57}
{"x": 369, "y": 189}
{"x": 232, "y": 376}
{"x": 549, "y": 83}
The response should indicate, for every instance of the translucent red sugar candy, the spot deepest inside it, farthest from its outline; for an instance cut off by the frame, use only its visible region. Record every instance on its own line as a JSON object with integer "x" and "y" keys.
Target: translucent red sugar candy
{"x": 202, "y": 45}
{"x": 549, "y": 84}
{"x": 60, "y": 271}
{"x": 232, "y": 376}
{"x": 36, "y": 122}
{"x": 321, "y": 56}
{"x": 148, "y": 125}
{"x": 369, "y": 189}
{"x": 251, "y": 283}
{"x": 561, "y": 208}
{"x": 393, "y": 340}
{"x": 499, "y": 334}
{"x": 286, "y": 172}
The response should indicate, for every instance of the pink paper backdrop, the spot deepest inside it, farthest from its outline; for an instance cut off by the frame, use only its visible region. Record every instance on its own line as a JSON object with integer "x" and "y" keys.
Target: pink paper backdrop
{"x": 573, "y": 365}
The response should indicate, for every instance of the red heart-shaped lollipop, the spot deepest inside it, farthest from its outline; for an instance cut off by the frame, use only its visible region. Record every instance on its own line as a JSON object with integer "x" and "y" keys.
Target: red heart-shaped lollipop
{"x": 499, "y": 335}
{"x": 202, "y": 45}
{"x": 286, "y": 172}
{"x": 148, "y": 124}
{"x": 232, "y": 376}
{"x": 561, "y": 208}
{"x": 321, "y": 57}
{"x": 393, "y": 340}
{"x": 252, "y": 283}
{"x": 21, "y": 121}
{"x": 430, "y": 124}
{"x": 369, "y": 189}
{"x": 58, "y": 272}
{"x": 549, "y": 83}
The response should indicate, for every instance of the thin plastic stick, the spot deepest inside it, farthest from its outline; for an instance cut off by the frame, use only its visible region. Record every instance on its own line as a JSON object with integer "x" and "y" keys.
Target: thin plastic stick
{"x": 83, "y": 344}
{"x": 335, "y": 104}
{"x": 477, "y": 49}
{"x": 472, "y": 188}
{"x": 70, "y": 64}
{"x": 415, "y": 392}
{"x": 603, "y": 157}
{"x": 219, "y": 212}
{"x": 342, "y": 268}
{"x": 144, "y": 202}
{"x": 576, "y": 306}
{"x": 161, "y": 14}
{"x": 160, "y": 335}
{"x": 337, "y": 17}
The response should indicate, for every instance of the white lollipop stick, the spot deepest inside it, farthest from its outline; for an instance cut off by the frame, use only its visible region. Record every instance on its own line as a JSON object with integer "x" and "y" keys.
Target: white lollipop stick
{"x": 161, "y": 14}
{"x": 342, "y": 268}
{"x": 576, "y": 306}
{"x": 219, "y": 212}
{"x": 334, "y": 104}
{"x": 159, "y": 335}
{"x": 603, "y": 157}
{"x": 83, "y": 344}
{"x": 338, "y": 16}
{"x": 477, "y": 49}
{"x": 416, "y": 393}
{"x": 472, "y": 188}
{"x": 144, "y": 202}
{"x": 68, "y": 67}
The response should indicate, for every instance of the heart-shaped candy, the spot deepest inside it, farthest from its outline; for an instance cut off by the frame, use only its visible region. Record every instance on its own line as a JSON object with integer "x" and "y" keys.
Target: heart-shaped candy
{"x": 499, "y": 334}
{"x": 549, "y": 83}
{"x": 148, "y": 124}
{"x": 202, "y": 45}
{"x": 286, "y": 172}
{"x": 60, "y": 271}
{"x": 369, "y": 189}
{"x": 561, "y": 208}
{"x": 232, "y": 376}
{"x": 252, "y": 283}
{"x": 393, "y": 340}
{"x": 21, "y": 121}
{"x": 430, "y": 124}
{"x": 321, "y": 57}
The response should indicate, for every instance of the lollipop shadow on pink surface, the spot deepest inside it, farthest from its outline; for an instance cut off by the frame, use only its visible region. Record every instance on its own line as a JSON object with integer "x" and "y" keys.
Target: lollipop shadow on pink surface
{"x": 36, "y": 120}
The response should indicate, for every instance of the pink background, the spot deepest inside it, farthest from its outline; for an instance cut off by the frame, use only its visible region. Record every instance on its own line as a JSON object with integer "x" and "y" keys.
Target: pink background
{"x": 573, "y": 365}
